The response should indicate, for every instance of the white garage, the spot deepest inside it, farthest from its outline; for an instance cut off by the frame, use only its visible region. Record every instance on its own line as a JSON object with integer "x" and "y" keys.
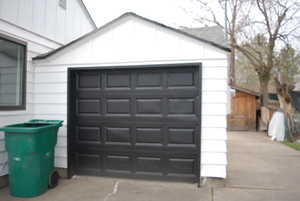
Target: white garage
{"x": 139, "y": 99}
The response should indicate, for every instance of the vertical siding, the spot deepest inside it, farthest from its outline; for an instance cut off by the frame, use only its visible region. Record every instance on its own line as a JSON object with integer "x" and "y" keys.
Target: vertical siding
{"x": 47, "y": 18}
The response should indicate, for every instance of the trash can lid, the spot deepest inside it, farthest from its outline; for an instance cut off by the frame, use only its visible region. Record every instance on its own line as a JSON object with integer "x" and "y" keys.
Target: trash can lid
{"x": 43, "y": 121}
{"x": 33, "y": 126}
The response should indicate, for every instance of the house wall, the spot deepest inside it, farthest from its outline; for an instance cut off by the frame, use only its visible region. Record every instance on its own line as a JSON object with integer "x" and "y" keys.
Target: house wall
{"x": 44, "y": 26}
{"x": 149, "y": 44}
{"x": 47, "y": 19}
{"x": 10, "y": 117}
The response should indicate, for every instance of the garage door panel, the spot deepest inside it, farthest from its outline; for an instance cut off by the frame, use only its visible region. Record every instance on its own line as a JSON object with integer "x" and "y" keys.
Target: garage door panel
{"x": 149, "y": 135}
{"x": 149, "y": 164}
{"x": 181, "y": 78}
{"x": 89, "y": 106}
{"x": 148, "y": 106}
{"x": 182, "y": 136}
{"x": 181, "y": 106}
{"x": 118, "y": 162}
{"x": 182, "y": 165}
{"x": 117, "y": 135}
{"x": 88, "y": 134}
{"x": 88, "y": 80}
{"x": 119, "y": 79}
{"x": 137, "y": 122}
{"x": 118, "y": 106}
{"x": 88, "y": 161}
{"x": 148, "y": 80}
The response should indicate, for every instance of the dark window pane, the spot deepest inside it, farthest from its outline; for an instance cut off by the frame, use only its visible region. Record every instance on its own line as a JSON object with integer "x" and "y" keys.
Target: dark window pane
{"x": 12, "y": 56}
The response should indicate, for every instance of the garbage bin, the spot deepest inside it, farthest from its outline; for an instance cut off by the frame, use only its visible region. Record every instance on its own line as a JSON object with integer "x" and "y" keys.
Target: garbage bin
{"x": 30, "y": 148}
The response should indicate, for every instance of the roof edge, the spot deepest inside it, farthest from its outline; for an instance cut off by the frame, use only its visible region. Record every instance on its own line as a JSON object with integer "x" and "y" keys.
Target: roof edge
{"x": 182, "y": 32}
{"x": 88, "y": 14}
{"x": 245, "y": 90}
{"x": 44, "y": 56}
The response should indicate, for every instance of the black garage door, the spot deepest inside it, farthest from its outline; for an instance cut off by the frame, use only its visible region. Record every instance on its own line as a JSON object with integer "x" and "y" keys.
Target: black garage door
{"x": 136, "y": 122}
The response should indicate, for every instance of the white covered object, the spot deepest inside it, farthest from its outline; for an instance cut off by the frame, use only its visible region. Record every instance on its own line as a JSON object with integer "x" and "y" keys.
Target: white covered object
{"x": 276, "y": 127}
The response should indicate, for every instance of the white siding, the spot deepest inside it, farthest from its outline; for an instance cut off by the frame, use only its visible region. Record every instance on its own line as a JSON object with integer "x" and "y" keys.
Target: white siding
{"x": 10, "y": 117}
{"x": 149, "y": 44}
{"x": 44, "y": 26}
{"x": 47, "y": 18}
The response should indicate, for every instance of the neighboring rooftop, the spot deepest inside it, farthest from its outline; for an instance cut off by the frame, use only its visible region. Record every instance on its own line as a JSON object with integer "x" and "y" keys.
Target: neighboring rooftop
{"x": 213, "y": 33}
{"x": 248, "y": 91}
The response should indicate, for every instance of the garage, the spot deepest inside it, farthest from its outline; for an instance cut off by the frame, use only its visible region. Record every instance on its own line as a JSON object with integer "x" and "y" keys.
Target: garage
{"x": 136, "y": 122}
{"x": 139, "y": 99}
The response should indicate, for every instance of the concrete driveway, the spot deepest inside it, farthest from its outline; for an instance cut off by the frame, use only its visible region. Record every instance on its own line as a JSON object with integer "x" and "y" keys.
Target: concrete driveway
{"x": 107, "y": 189}
{"x": 259, "y": 170}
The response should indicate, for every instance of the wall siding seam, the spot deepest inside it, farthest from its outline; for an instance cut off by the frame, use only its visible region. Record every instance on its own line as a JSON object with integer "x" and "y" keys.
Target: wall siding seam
{"x": 59, "y": 82}
{"x": 216, "y": 152}
{"x": 47, "y": 93}
{"x": 49, "y": 103}
{"x": 225, "y": 164}
{"x": 5, "y": 115}
{"x": 212, "y": 78}
{"x": 214, "y": 139}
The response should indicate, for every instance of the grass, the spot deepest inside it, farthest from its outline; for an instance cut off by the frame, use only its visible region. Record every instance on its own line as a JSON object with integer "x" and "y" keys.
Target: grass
{"x": 292, "y": 145}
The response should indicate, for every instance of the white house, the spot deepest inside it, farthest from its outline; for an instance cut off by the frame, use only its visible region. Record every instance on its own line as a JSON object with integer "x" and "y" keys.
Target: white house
{"x": 138, "y": 98}
{"x": 27, "y": 29}
{"x": 143, "y": 98}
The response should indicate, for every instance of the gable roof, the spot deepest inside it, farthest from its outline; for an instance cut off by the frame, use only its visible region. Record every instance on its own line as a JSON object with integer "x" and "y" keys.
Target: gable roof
{"x": 213, "y": 33}
{"x": 88, "y": 14}
{"x": 44, "y": 56}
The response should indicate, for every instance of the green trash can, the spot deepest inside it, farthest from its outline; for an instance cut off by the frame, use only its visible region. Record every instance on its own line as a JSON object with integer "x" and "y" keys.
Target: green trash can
{"x": 30, "y": 148}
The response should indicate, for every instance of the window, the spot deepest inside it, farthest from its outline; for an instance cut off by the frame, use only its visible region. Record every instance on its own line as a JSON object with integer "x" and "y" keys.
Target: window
{"x": 12, "y": 74}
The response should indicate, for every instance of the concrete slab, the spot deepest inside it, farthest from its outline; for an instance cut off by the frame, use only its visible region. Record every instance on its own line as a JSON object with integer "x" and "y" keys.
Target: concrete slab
{"x": 109, "y": 189}
{"x": 257, "y": 162}
{"x": 235, "y": 194}
{"x": 153, "y": 191}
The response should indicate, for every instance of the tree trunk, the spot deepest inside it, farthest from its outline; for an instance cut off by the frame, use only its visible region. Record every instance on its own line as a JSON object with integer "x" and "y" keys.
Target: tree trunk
{"x": 264, "y": 91}
{"x": 285, "y": 101}
{"x": 232, "y": 64}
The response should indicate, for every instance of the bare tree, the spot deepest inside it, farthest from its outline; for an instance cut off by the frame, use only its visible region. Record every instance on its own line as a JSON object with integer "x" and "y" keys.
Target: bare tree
{"x": 236, "y": 17}
{"x": 273, "y": 20}
{"x": 286, "y": 66}
{"x": 274, "y": 25}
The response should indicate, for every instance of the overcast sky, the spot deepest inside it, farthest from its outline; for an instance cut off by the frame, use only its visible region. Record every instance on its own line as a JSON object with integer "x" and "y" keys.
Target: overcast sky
{"x": 174, "y": 13}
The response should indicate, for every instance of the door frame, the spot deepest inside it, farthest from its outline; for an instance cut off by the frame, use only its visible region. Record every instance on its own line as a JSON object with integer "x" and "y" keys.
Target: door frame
{"x": 70, "y": 113}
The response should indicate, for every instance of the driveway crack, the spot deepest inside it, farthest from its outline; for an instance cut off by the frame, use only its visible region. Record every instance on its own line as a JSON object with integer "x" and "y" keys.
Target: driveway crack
{"x": 114, "y": 191}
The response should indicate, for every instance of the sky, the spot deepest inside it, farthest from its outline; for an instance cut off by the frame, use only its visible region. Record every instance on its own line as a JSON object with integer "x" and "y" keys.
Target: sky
{"x": 175, "y": 13}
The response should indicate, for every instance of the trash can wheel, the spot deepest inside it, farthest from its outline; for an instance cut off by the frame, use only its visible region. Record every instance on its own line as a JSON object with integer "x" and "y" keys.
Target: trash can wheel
{"x": 53, "y": 179}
